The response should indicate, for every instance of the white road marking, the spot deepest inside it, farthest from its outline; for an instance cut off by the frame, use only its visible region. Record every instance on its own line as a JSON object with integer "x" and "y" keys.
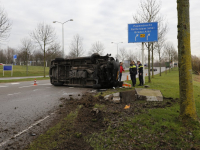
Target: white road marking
{"x": 14, "y": 83}
{"x": 14, "y": 93}
{"x": 18, "y": 134}
{"x": 46, "y": 84}
{"x": 68, "y": 93}
{"x": 35, "y": 90}
{"x": 25, "y": 86}
{"x": 3, "y": 86}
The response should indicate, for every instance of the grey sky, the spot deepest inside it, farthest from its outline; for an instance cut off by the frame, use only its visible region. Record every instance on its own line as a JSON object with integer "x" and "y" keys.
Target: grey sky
{"x": 94, "y": 20}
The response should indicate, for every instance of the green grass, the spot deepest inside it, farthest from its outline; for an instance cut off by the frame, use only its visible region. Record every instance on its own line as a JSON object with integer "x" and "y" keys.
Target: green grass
{"x": 55, "y": 132}
{"x": 20, "y": 71}
{"x": 159, "y": 128}
{"x": 168, "y": 84}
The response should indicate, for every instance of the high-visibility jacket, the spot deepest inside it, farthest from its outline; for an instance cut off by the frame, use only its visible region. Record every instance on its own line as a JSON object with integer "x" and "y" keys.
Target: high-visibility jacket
{"x": 140, "y": 68}
{"x": 133, "y": 69}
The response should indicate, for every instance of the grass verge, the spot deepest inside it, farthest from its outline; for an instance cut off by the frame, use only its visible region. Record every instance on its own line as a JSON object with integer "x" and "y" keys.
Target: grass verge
{"x": 57, "y": 134}
{"x": 20, "y": 71}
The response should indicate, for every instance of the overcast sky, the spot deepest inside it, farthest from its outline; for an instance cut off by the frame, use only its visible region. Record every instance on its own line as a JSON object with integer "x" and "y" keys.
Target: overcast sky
{"x": 94, "y": 20}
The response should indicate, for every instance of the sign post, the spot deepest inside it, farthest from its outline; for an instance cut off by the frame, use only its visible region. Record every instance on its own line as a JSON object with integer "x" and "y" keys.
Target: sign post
{"x": 143, "y": 32}
{"x": 8, "y": 68}
{"x": 15, "y": 57}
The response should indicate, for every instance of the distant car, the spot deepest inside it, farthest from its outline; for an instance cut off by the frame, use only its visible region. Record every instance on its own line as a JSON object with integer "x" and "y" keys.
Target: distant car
{"x": 1, "y": 63}
{"x": 154, "y": 69}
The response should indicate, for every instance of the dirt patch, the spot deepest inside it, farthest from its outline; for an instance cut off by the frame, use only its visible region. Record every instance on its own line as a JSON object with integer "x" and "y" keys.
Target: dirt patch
{"x": 95, "y": 115}
{"x": 197, "y": 78}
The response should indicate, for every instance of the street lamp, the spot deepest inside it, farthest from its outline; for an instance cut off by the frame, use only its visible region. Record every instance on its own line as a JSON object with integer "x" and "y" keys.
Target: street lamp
{"x": 117, "y": 46}
{"x": 63, "y": 52}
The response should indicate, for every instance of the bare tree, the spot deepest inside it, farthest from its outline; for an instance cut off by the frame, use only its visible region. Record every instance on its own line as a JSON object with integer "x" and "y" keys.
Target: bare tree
{"x": 53, "y": 51}
{"x": 44, "y": 35}
{"x": 159, "y": 46}
{"x": 187, "y": 102}
{"x": 131, "y": 56}
{"x": 5, "y": 25}
{"x": 76, "y": 47}
{"x": 149, "y": 11}
{"x": 2, "y": 57}
{"x": 122, "y": 54}
{"x": 97, "y": 47}
{"x": 169, "y": 47}
{"x": 26, "y": 47}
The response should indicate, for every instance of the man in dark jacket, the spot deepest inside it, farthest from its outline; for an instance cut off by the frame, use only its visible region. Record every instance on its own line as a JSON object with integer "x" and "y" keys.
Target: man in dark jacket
{"x": 133, "y": 72}
{"x": 140, "y": 68}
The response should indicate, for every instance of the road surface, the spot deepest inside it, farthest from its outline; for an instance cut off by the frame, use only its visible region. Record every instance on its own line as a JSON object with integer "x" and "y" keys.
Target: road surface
{"x": 22, "y": 104}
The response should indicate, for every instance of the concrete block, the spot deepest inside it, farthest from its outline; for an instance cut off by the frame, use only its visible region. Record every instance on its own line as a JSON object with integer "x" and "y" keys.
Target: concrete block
{"x": 128, "y": 96}
{"x": 116, "y": 99}
{"x": 116, "y": 94}
{"x": 108, "y": 97}
{"x": 149, "y": 94}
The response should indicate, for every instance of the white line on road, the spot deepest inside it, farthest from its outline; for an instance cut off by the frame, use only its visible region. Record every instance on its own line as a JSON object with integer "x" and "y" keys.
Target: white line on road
{"x": 25, "y": 86}
{"x": 15, "y": 93}
{"x": 18, "y": 134}
{"x": 46, "y": 84}
{"x": 14, "y": 83}
{"x": 3, "y": 86}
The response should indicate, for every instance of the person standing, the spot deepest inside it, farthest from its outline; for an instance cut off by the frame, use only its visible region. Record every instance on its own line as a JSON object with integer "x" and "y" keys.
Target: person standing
{"x": 140, "y": 68}
{"x": 133, "y": 72}
{"x": 120, "y": 71}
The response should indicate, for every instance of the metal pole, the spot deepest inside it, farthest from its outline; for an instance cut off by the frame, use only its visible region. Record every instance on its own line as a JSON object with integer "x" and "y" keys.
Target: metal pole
{"x": 143, "y": 62}
{"x": 63, "y": 41}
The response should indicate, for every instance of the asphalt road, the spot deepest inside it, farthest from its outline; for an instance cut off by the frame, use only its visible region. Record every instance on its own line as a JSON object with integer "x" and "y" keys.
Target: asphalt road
{"x": 22, "y": 104}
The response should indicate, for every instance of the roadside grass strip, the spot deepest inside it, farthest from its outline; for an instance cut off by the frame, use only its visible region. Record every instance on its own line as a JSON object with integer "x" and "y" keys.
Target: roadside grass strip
{"x": 20, "y": 71}
{"x": 55, "y": 135}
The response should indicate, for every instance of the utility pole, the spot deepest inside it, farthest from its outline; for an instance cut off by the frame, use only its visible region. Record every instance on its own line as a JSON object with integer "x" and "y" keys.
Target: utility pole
{"x": 187, "y": 102}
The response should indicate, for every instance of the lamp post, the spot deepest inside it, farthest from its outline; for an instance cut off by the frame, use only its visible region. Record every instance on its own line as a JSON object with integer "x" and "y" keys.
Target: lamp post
{"x": 117, "y": 46}
{"x": 63, "y": 52}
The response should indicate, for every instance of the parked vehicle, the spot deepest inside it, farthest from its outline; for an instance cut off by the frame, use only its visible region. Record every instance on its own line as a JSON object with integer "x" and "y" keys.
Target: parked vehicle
{"x": 154, "y": 69}
{"x": 1, "y": 64}
{"x": 95, "y": 71}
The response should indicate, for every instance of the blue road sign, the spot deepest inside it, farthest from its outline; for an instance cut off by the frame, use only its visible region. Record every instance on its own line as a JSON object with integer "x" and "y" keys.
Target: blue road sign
{"x": 7, "y": 68}
{"x": 143, "y": 32}
{"x": 14, "y": 56}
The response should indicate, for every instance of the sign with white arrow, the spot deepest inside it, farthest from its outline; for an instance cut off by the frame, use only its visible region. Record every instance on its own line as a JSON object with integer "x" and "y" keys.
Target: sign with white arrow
{"x": 143, "y": 32}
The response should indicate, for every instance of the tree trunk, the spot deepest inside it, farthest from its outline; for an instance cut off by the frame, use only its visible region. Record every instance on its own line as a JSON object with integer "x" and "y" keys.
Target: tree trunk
{"x": 44, "y": 60}
{"x": 149, "y": 74}
{"x": 152, "y": 62}
{"x": 187, "y": 102}
{"x": 169, "y": 64}
{"x": 26, "y": 62}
